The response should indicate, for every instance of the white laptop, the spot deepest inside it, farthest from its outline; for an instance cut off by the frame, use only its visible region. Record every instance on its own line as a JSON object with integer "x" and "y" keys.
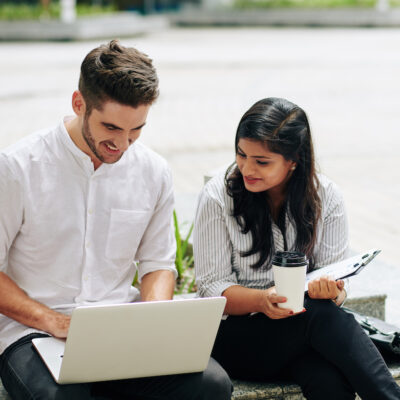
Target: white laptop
{"x": 134, "y": 340}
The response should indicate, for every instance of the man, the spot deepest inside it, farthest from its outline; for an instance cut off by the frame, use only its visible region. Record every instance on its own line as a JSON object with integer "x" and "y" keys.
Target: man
{"x": 80, "y": 204}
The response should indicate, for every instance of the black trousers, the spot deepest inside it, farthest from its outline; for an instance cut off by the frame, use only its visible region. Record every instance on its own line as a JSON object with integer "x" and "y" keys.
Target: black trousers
{"x": 25, "y": 377}
{"x": 324, "y": 350}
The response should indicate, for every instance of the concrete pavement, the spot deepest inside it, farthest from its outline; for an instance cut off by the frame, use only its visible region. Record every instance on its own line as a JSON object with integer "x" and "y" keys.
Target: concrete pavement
{"x": 346, "y": 79}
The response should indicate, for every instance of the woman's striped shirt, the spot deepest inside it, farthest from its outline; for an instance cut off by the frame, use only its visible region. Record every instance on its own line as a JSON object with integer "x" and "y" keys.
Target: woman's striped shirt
{"x": 218, "y": 240}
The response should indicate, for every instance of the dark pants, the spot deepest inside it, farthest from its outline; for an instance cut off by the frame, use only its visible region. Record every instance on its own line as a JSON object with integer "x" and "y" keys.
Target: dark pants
{"x": 324, "y": 350}
{"x": 25, "y": 377}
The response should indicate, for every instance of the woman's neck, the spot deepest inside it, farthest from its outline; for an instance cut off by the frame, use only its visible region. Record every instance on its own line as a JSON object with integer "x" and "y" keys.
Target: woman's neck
{"x": 277, "y": 200}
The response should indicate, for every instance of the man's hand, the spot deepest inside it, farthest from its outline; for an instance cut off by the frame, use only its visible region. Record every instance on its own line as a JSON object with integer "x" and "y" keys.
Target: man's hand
{"x": 58, "y": 324}
{"x": 326, "y": 288}
{"x": 20, "y": 307}
{"x": 269, "y": 305}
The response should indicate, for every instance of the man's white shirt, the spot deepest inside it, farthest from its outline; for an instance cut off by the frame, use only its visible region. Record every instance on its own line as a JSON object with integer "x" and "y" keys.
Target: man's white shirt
{"x": 70, "y": 235}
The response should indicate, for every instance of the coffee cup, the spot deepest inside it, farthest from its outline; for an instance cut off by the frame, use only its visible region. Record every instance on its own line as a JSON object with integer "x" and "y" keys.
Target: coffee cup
{"x": 289, "y": 269}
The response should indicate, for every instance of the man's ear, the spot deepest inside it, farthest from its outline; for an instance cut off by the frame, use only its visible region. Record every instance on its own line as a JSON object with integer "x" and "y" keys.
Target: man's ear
{"x": 78, "y": 103}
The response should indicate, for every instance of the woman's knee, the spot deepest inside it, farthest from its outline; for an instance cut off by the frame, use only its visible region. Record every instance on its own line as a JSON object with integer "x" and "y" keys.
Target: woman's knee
{"x": 326, "y": 313}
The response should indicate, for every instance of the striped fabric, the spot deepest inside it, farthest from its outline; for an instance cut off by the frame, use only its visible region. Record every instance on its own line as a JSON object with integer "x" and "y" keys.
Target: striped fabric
{"x": 218, "y": 242}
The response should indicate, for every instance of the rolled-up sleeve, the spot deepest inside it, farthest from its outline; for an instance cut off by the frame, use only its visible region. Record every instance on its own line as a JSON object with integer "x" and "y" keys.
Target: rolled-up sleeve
{"x": 212, "y": 248}
{"x": 11, "y": 206}
{"x": 158, "y": 247}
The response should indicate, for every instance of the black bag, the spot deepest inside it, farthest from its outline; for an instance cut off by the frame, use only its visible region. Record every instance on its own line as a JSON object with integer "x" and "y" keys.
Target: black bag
{"x": 386, "y": 337}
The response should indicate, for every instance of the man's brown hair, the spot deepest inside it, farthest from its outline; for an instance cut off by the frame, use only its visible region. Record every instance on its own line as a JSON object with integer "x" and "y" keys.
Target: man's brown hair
{"x": 112, "y": 72}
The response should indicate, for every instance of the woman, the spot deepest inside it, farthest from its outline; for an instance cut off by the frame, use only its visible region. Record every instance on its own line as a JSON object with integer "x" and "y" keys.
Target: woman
{"x": 272, "y": 200}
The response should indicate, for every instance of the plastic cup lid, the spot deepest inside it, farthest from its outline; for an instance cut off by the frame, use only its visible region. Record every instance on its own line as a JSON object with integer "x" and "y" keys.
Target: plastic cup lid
{"x": 289, "y": 258}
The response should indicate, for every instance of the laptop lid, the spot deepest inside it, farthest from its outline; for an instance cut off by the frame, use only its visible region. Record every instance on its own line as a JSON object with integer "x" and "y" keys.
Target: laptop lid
{"x": 135, "y": 340}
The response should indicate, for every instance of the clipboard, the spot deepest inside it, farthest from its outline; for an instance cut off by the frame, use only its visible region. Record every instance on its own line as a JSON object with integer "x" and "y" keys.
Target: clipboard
{"x": 343, "y": 269}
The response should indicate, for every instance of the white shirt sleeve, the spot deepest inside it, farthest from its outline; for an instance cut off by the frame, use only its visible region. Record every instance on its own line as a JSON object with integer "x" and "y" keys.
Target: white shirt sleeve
{"x": 157, "y": 248}
{"x": 333, "y": 238}
{"x": 212, "y": 248}
{"x": 11, "y": 206}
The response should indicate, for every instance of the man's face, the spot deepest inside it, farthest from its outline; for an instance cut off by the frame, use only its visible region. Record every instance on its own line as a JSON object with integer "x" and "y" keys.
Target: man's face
{"x": 110, "y": 131}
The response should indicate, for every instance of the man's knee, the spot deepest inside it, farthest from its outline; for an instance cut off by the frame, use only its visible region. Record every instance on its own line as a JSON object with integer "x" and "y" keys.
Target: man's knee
{"x": 216, "y": 383}
{"x": 64, "y": 392}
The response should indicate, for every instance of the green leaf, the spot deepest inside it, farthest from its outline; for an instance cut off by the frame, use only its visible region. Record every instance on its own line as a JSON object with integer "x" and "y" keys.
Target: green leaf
{"x": 184, "y": 260}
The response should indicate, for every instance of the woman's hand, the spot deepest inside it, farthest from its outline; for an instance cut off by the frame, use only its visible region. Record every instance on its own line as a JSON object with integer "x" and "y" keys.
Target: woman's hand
{"x": 269, "y": 305}
{"x": 327, "y": 288}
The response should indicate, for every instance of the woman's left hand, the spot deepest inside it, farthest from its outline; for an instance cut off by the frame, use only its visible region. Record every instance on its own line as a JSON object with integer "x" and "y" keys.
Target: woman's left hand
{"x": 325, "y": 288}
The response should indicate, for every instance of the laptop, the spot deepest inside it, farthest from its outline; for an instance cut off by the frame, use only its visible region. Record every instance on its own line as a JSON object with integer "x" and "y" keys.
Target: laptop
{"x": 134, "y": 340}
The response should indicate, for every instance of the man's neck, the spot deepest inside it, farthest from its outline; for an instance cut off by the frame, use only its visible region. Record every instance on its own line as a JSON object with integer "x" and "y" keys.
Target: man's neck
{"x": 74, "y": 129}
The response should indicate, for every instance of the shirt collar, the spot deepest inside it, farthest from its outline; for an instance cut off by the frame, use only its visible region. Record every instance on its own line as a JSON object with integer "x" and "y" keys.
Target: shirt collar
{"x": 70, "y": 145}
{"x": 82, "y": 158}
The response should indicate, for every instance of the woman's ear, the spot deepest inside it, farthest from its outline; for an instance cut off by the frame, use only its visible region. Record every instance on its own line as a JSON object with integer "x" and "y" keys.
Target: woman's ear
{"x": 78, "y": 103}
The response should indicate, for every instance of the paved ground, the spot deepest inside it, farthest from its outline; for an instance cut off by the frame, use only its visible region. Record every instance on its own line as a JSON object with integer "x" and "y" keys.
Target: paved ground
{"x": 346, "y": 79}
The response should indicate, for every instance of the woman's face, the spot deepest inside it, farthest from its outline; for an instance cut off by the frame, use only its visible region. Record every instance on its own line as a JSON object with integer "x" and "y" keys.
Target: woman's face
{"x": 262, "y": 169}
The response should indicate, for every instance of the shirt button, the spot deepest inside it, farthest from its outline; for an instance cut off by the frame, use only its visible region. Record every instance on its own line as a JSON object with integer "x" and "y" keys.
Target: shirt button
{"x": 90, "y": 211}
{"x": 87, "y": 245}
{"x": 85, "y": 278}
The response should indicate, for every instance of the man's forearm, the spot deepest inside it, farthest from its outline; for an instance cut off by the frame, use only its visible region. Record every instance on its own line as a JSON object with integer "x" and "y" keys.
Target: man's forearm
{"x": 16, "y": 304}
{"x": 157, "y": 285}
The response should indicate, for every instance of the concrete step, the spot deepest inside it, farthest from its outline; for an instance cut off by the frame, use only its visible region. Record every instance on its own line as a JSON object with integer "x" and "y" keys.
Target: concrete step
{"x": 195, "y": 16}
{"x": 261, "y": 391}
{"x": 3, "y": 393}
{"x": 284, "y": 390}
{"x": 373, "y": 306}
{"x": 121, "y": 24}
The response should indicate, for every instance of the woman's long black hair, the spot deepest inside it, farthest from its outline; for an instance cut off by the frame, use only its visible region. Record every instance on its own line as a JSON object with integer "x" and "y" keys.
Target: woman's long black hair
{"x": 284, "y": 128}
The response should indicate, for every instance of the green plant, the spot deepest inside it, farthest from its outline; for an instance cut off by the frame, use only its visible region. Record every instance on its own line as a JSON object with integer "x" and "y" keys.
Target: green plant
{"x": 184, "y": 261}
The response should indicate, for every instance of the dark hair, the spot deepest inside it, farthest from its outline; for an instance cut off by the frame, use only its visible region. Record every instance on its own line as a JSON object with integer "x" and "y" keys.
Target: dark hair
{"x": 117, "y": 73}
{"x": 284, "y": 128}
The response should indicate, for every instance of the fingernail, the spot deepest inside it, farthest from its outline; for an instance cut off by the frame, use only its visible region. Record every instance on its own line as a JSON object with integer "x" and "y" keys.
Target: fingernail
{"x": 304, "y": 310}
{"x": 291, "y": 312}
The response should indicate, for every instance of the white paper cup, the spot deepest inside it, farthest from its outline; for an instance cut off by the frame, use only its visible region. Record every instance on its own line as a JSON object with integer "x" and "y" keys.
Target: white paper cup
{"x": 290, "y": 270}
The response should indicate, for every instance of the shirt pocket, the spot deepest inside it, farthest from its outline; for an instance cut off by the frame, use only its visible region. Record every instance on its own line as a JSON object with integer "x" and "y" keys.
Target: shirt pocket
{"x": 125, "y": 233}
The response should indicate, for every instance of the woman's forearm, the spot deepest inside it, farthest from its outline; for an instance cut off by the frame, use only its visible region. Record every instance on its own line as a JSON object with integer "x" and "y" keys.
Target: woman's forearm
{"x": 242, "y": 300}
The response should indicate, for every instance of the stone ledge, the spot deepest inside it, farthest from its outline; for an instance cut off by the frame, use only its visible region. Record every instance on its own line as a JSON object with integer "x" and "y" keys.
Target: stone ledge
{"x": 261, "y": 391}
{"x": 340, "y": 17}
{"x": 373, "y": 306}
{"x": 122, "y": 24}
{"x": 3, "y": 393}
{"x": 282, "y": 391}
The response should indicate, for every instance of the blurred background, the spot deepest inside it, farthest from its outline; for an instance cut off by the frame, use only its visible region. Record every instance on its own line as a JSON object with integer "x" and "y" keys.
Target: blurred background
{"x": 337, "y": 59}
